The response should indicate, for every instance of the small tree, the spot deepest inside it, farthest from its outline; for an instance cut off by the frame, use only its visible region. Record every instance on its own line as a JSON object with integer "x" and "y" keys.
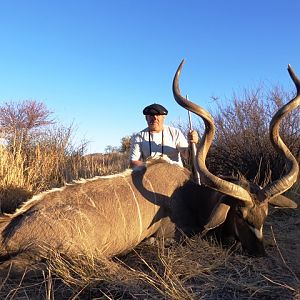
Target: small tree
{"x": 125, "y": 144}
{"x": 111, "y": 149}
{"x": 19, "y": 120}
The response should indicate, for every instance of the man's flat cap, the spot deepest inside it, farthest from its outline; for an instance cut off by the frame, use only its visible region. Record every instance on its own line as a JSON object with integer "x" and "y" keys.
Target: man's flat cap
{"x": 155, "y": 109}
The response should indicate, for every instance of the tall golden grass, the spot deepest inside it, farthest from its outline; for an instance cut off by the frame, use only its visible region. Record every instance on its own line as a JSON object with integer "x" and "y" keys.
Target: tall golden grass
{"x": 25, "y": 171}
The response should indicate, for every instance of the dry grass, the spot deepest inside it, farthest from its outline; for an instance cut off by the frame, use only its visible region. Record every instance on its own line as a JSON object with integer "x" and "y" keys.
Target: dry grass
{"x": 45, "y": 166}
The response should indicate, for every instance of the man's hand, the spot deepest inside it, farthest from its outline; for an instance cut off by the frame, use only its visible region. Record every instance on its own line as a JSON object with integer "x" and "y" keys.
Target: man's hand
{"x": 193, "y": 137}
{"x": 136, "y": 163}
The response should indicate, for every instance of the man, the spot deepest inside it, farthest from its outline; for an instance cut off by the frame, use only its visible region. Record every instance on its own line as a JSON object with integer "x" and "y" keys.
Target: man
{"x": 159, "y": 139}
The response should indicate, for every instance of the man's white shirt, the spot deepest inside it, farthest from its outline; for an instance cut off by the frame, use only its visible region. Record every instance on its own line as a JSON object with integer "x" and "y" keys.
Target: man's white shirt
{"x": 168, "y": 142}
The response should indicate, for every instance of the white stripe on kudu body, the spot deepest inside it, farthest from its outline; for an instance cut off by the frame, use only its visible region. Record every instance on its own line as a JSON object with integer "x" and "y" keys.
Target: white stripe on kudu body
{"x": 139, "y": 215}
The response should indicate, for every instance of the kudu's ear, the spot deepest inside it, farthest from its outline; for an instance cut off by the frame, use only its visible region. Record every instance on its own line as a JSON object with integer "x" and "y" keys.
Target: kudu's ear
{"x": 218, "y": 216}
{"x": 283, "y": 202}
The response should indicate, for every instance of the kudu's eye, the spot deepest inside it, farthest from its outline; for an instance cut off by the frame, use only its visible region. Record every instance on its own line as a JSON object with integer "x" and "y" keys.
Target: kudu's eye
{"x": 243, "y": 217}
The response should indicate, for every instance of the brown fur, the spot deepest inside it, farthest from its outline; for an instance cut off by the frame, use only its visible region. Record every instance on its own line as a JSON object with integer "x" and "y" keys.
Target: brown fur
{"x": 107, "y": 215}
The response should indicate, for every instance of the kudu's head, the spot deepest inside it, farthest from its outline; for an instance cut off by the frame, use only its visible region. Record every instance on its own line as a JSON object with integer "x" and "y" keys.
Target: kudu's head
{"x": 243, "y": 207}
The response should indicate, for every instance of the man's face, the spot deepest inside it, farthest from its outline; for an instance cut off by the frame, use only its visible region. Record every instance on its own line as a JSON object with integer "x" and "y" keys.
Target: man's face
{"x": 155, "y": 122}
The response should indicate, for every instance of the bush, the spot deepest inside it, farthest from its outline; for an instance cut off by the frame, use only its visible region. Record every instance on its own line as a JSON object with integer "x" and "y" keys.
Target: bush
{"x": 242, "y": 143}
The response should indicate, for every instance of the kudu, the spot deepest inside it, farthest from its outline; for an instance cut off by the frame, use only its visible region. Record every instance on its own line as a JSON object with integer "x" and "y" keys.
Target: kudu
{"x": 110, "y": 215}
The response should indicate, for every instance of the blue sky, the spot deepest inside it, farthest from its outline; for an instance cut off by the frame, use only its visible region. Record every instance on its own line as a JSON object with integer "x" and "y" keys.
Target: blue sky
{"x": 99, "y": 63}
